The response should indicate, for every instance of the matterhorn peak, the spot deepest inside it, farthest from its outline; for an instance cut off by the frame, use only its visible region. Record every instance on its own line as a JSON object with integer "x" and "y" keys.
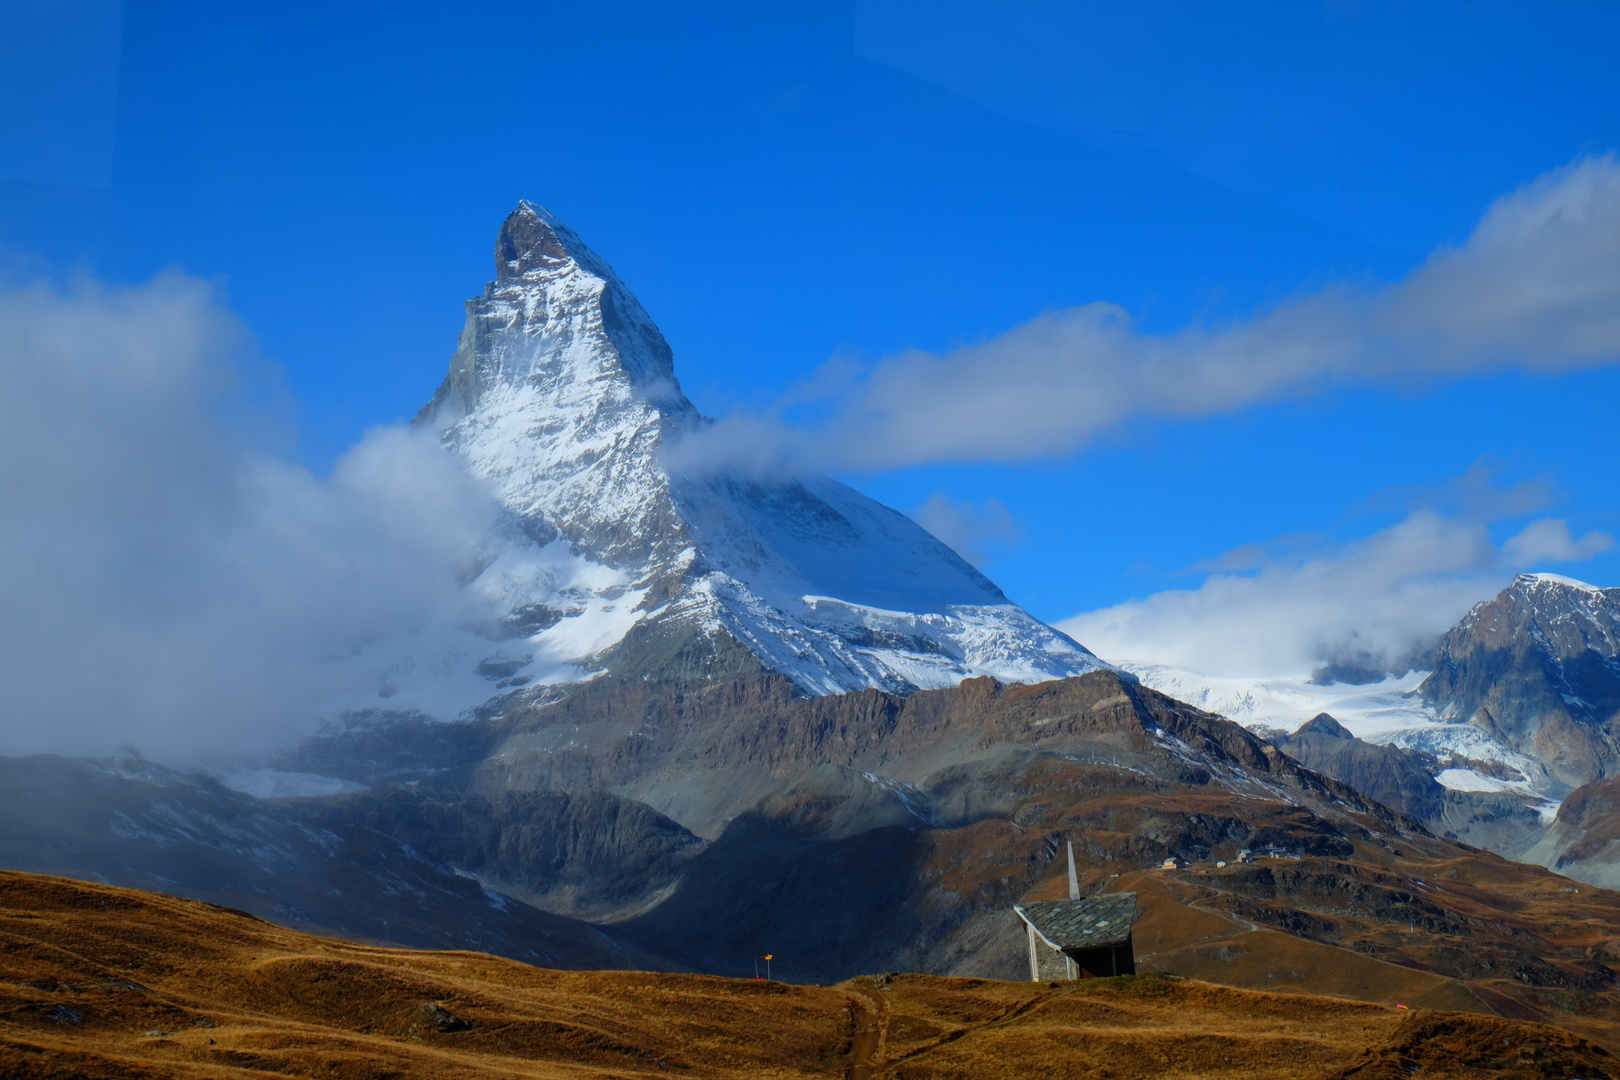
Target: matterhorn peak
{"x": 529, "y": 242}
{"x": 533, "y": 243}
{"x": 562, "y": 397}
{"x": 556, "y": 319}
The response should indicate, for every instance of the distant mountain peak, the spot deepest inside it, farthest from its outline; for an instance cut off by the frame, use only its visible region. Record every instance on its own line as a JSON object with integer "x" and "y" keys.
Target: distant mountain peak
{"x": 1538, "y": 666}
{"x": 1324, "y": 724}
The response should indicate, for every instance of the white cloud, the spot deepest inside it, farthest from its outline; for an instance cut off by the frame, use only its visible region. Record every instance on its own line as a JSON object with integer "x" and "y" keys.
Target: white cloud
{"x": 1289, "y": 606}
{"x": 163, "y": 584}
{"x": 1535, "y": 288}
{"x": 970, "y": 529}
{"x": 1380, "y": 599}
{"x": 1549, "y": 540}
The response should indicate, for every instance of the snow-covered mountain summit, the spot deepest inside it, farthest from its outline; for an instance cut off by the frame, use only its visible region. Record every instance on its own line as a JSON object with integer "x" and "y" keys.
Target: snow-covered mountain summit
{"x": 562, "y": 395}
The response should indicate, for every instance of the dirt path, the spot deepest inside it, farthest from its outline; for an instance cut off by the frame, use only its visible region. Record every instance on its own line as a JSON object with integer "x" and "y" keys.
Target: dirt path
{"x": 871, "y": 1018}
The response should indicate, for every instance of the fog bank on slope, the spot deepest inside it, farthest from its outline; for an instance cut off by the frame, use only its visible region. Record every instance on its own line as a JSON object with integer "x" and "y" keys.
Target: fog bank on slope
{"x": 164, "y": 585}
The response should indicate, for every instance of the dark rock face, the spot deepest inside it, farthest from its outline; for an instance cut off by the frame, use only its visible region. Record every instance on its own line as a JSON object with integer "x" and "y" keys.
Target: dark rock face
{"x": 877, "y": 830}
{"x": 1538, "y": 668}
{"x": 1361, "y": 667}
{"x": 392, "y": 865}
{"x": 526, "y": 243}
{"x": 1404, "y": 779}
{"x": 1399, "y": 778}
{"x": 1500, "y": 821}
{"x": 1594, "y": 805}
{"x": 590, "y": 853}
{"x": 389, "y": 747}
{"x": 703, "y": 753}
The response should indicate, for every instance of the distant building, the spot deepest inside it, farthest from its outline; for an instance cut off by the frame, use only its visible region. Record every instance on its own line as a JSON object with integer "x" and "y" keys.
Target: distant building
{"x": 1080, "y": 939}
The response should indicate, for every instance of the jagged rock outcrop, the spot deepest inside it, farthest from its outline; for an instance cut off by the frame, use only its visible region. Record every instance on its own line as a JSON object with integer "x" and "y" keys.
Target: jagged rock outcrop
{"x": 1538, "y": 669}
{"x": 588, "y": 854}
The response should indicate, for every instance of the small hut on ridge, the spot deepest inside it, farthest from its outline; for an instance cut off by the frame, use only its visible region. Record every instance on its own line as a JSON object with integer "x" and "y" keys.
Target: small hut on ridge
{"x": 1079, "y": 938}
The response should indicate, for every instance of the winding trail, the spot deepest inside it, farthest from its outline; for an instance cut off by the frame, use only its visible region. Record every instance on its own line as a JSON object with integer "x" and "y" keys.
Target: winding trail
{"x": 871, "y": 1032}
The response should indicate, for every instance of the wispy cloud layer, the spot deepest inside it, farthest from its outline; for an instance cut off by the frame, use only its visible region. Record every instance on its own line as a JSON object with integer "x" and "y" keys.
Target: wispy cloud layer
{"x": 1549, "y": 540}
{"x": 1535, "y": 288}
{"x": 162, "y": 584}
{"x": 973, "y": 530}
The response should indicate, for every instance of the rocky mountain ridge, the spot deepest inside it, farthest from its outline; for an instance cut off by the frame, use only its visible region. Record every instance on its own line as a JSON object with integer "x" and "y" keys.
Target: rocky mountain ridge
{"x": 689, "y": 818}
{"x": 1519, "y": 710}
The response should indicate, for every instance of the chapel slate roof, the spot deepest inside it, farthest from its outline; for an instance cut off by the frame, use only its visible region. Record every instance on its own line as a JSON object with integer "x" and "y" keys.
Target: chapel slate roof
{"x": 1096, "y": 922}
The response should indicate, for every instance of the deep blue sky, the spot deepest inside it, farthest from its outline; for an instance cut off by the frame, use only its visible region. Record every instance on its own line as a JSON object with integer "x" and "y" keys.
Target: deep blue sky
{"x": 782, "y": 183}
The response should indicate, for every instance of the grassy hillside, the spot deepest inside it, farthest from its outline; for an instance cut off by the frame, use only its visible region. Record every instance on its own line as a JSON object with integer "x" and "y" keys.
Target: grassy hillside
{"x": 98, "y": 981}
